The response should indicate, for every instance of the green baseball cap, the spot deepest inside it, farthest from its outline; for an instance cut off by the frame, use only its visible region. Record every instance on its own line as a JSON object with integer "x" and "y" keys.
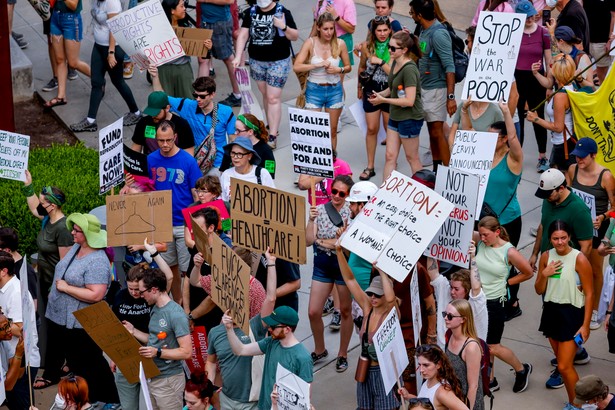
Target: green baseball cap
{"x": 282, "y": 315}
{"x": 158, "y": 100}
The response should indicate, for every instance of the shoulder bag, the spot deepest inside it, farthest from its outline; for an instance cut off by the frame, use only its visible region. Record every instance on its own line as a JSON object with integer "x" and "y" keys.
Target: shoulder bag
{"x": 205, "y": 154}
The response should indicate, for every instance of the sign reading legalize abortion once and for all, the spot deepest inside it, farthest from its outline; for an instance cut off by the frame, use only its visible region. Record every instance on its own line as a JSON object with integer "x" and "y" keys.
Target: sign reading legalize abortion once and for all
{"x": 491, "y": 71}
{"x": 397, "y": 224}
{"x": 451, "y": 243}
{"x": 111, "y": 155}
{"x": 473, "y": 152}
{"x": 14, "y": 153}
{"x": 391, "y": 350}
{"x": 132, "y": 218}
{"x": 310, "y": 137}
{"x": 145, "y": 34}
{"x": 230, "y": 283}
{"x": 268, "y": 217}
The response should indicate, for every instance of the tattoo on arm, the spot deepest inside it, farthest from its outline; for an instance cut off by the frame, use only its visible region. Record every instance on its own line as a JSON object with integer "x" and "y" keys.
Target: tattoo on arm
{"x": 430, "y": 311}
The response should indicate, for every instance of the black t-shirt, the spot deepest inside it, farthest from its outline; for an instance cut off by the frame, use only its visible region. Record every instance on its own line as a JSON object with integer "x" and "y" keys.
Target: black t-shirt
{"x": 263, "y": 150}
{"x": 145, "y": 133}
{"x": 135, "y": 311}
{"x": 32, "y": 279}
{"x": 286, "y": 272}
{"x": 574, "y": 17}
{"x": 266, "y": 44}
{"x": 598, "y": 14}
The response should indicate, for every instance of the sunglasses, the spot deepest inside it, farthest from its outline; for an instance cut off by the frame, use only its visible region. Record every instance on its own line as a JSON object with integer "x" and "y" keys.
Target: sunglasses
{"x": 448, "y": 316}
{"x": 196, "y": 95}
{"x": 272, "y": 328}
{"x": 424, "y": 349}
{"x": 381, "y": 19}
{"x": 421, "y": 400}
{"x": 393, "y": 48}
{"x": 370, "y": 294}
{"x": 341, "y": 194}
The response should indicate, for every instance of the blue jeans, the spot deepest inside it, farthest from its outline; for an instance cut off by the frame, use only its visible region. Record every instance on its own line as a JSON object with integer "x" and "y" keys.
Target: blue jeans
{"x": 68, "y": 25}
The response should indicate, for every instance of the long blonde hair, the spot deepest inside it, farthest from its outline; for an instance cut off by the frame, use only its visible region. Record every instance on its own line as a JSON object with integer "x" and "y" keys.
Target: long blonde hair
{"x": 465, "y": 310}
{"x": 325, "y": 18}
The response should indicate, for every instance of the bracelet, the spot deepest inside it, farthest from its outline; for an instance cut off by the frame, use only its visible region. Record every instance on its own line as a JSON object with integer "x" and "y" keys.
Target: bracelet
{"x": 434, "y": 335}
{"x": 153, "y": 255}
{"x": 285, "y": 27}
{"x": 271, "y": 265}
{"x": 337, "y": 18}
{"x": 159, "y": 353}
{"x": 608, "y": 312}
{"x": 18, "y": 357}
{"x": 27, "y": 190}
{"x": 111, "y": 52}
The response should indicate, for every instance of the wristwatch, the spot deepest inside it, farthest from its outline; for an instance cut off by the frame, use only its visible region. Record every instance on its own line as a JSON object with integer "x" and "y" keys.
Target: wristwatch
{"x": 451, "y": 96}
{"x": 337, "y": 18}
{"x": 190, "y": 316}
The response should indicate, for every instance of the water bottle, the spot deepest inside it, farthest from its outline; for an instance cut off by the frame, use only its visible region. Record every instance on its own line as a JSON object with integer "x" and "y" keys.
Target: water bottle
{"x": 401, "y": 93}
{"x": 280, "y": 14}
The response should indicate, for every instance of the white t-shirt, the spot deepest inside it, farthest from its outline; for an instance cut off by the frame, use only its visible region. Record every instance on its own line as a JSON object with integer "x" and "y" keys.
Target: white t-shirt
{"x": 225, "y": 180}
{"x": 100, "y": 10}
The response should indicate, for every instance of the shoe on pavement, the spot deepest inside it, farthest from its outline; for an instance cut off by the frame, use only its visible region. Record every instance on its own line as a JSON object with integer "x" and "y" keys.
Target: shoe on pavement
{"x": 542, "y": 165}
{"x": 513, "y": 312}
{"x": 51, "y": 85}
{"x": 231, "y": 101}
{"x": 426, "y": 158}
{"x": 16, "y": 36}
{"x": 336, "y": 321}
{"x": 84, "y": 126}
{"x": 72, "y": 74}
{"x": 21, "y": 42}
{"x": 555, "y": 380}
{"x": 580, "y": 358}
{"x": 569, "y": 406}
{"x": 594, "y": 324}
{"x": 494, "y": 385}
{"x": 328, "y": 308}
{"x": 130, "y": 118}
{"x": 317, "y": 357}
{"x": 212, "y": 73}
{"x": 341, "y": 365}
{"x": 522, "y": 379}
{"x": 128, "y": 68}
{"x": 273, "y": 144}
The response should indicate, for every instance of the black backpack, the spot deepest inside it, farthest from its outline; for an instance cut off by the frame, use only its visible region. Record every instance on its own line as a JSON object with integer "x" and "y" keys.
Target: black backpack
{"x": 460, "y": 58}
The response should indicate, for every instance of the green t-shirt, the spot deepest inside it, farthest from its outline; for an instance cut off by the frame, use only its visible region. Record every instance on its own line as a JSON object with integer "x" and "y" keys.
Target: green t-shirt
{"x": 407, "y": 76}
{"x": 361, "y": 269}
{"x": 51, "y": 237}
{"x": 172, "y": 320}
{"x": 482, "y": 123}
{"x": 574, "y": 212}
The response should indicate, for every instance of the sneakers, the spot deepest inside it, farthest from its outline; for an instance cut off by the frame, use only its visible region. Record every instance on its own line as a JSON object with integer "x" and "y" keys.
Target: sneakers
{"x": 594, "y": 324}
{"x": 555, "y": 380}
{"x": 336, "y": 321}
{"x": 51, "y": 85}
{"x": 84, "y": 125}
{"x": 112, "y": 406}
{"x": 212, "y": 73}
{"x": 494, "y": 385}
{"x": 130, "y": 118}
{"x": 513, "y": 312}
{"x": 580, "y": 358}
{"x": 543, "y": 165}
{"x": 21, "y": 42}
{"x": 341, "y": 365}
{"x": 426, "y": 158}
{"x": 569, "y": 406}
{"x": 128, "y": 70}
{"x": 273, "y": 144}
{"x": 328, "y": 308}
{"x": 231, "y": 101}
{"x": 533, "y": 232}
{"x": 318, "y": 357}
{"x": 522, "y": 379}
{"x": 16, "y": 36}
{"x": 72, "y": 74}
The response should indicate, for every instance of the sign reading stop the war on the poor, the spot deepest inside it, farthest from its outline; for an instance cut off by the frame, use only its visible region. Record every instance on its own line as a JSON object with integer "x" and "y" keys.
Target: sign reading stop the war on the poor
{"x": 590, "y": 201}
{"x": 473, "y": 152}
{"x": 310, "y": 136}
{"x": 397, "y": 224}
{"x": 230, "y": 283}
{"x": 451, "y": 243}
{"x": 268, "y": 217}
{"x": 491, "y": 70}
{"x": 145, "y": 34}
{"x": 391, "y": 350}
{"x": 14, "y": 152}
{"x": 111, "y": 155}
{"x": 293, "y": 391}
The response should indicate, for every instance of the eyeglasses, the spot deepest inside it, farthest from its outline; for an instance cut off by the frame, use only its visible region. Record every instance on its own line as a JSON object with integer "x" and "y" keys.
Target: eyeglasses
{"x": 238, "y": 131}
{"x": 141, "y": 292}
{"x": 201, "y": 191}
{"x": 239, "y": 155}
{"x": 372, "y": 294}
{"x": 196, "y": 95}
{"x": 448, "y": 316}
{"x": 77, "y": 230}
{"x": 341, "y": 194}
{"x": 393, "y": 48}
{"x": 7, "y": 326}
{"x": 381, "y": 19}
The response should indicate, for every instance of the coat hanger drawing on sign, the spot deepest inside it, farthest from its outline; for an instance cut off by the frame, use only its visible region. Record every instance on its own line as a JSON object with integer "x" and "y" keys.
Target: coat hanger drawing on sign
{"x": 134, "y": 224}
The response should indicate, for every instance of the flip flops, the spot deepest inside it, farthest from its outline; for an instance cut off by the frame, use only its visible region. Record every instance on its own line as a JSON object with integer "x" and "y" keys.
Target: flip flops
{"x": 55, "y": 102}
{"x": 44, "y": 383}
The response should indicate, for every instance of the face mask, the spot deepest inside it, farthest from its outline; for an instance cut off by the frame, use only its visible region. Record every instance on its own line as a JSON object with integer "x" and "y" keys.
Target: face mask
{"x": 551, "y": 3}
{"x": 59, "y": 401}
{"x": 587, "y": 406}
{"x": 263, "y": 3}
{"x": 41, "y": 210}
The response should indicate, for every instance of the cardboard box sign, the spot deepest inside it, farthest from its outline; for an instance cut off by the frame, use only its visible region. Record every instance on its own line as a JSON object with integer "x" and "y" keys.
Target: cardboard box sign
{"x": 132, "y": 218}
{"x": 192, "y": 40}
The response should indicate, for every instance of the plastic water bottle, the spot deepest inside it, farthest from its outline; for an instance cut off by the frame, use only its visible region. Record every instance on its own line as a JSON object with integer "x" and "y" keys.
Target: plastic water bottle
{"x": 401, "y": 93}
{"x": 280, "y": 15}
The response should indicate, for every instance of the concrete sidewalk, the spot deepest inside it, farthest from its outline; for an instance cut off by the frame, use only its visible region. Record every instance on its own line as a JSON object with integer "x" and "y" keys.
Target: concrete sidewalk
{"x": 332, "y": 390}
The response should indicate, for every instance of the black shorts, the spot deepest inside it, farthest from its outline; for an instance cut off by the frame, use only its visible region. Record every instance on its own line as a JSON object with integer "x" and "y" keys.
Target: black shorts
{"x": 497, "y": 315}
{"x": 47, "y": 27}
{"x": 601, "y": 233}
{"x": 373, "y": 86}
{"x": 560, "y": 321}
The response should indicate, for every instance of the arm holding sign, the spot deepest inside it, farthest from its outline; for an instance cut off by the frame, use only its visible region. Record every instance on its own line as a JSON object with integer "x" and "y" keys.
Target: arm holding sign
{"x": 31, "y": 197}
{"x": 272, "y": 283}
{"x": 351, "y": 282}
{"x": 311, "y": 230}
{"x": 240, "y": 45}
{"x": 515, "y": 157}
{"x": 142, "y": 337}
{"x": 153, "y": 72}
{"x": 239, "y": 348}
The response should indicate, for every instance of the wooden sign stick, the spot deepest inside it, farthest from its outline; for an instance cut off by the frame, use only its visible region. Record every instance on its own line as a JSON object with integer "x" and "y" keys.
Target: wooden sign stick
{"x": 399, "y": 386}
{"x": 313, "y": 191}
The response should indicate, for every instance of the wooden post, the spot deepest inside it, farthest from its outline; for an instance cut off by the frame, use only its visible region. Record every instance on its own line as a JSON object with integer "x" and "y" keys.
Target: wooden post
{"x": 313, "y": 191}
{"x": 399, "y": 386}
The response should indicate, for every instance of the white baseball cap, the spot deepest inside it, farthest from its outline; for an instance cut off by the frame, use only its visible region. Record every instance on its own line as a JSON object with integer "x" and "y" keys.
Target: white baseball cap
{"x": 362, "y": 191}
{"x": 550, "y": 180}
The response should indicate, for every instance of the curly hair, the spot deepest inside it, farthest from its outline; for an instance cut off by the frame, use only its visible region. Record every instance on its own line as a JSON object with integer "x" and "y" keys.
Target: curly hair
{"x": 446, "y": 373}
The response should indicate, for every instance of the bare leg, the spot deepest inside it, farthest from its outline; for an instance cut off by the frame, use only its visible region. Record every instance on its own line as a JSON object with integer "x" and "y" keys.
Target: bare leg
{"x": 204, "y": 65}
{"x": 274, "y": 108}
{"x": 437, "y": 142}
{"x": 347, "y": 324}
{"x": 411, "y": 148}
{"x": 318, "y": 295}
{"x": 596, "y": 262}
{"x": 52, "y": 57}
{"x": 176, "y": 285}
{"x": 507, "y": 356}
{"x": 57, "y": 43}
{"x": 371, "y": 138}
{"x": 391, "y": 153}
{"x": 72, "y": 56}
{"x": 231, "y": 73}
{"x": 565, "y": 351}
{"x": 334, "y": 114}
{"x": 262, "y": 87}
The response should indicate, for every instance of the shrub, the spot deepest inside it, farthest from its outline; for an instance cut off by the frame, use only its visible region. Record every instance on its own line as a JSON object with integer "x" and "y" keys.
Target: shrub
{"x": 72, "y": 168}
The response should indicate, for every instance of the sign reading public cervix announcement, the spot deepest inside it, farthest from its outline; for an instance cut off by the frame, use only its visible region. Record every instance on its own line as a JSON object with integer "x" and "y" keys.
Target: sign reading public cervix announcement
{"x": 14, "y": 152}
{"x": 145, "y": 34}
{"x": 452, "y": 241}
{"x": 491, "y": 71}
{"x": 473, "y": 152}
{"x": 310, "y": 136}
{"x": 268, "y": 217}
{"x": 397, "y": 224}
{"x": 111, "y": 155}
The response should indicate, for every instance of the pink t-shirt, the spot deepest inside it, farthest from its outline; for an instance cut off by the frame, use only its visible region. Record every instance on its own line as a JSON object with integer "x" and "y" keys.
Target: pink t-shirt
{"x": 503, "y": 8}
{"x": 344, "y": 8}
{"x": 257, "y": 293}
{"x": 340, "y": 167}
{"x": 532, "y": 48}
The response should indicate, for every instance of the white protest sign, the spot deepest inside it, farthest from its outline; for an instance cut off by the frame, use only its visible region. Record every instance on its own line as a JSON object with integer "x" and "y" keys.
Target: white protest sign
{"x": 27, "y": 313}
{"x": 397, "y": 224}
{"x": 145, "y": 34}
{"x": 2, "y": 391}
{"x": 310, "y": 137}
{"x": 293, "y": 391}
{"x": 111, "y": 152}
{"x": 391, "y": 350}
{"x": 590, "y": 201}
{"x": 249, "y": 102}
{"x": 491, "y": 70}
{"x": 145, "y": 388}
{"x": 451, "y": 243}
{"x": 415, "y": 301}
{"x": 14, "y": 151}
{"x": 358, "y": 113}
{"x": 473, "y": 152}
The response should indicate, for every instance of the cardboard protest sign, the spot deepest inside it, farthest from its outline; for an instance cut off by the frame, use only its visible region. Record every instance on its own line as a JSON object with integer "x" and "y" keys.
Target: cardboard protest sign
{"x": 218, "y": 204}
{"x": 293, "y": 391}
{"x": 111, "y": 155}
{"x": 391, "y": 349}
{"x": 14, "y": 152}
{"x": 197, "y": 361}
{"x": 590, "y": 201}
{"x": 310, "y": 136}
{"x": 268, "y": 217}
{"x": 145, "y": 34}
{"x": 114, "y": 339}
{"x": 491, "y": 70}
{"x": 249, "y": 102}
{"x": 27, "y": 314}
{"x": 132, "y": 218}
{"x": 451, "y": 243}
{"x": 192, "y": 40}
{"x": 201, "y": 239}
{"x": 135, "y": 163}
{"x": 144, "y": 388}
{"x": 473, "y": 152}
{"x": 397, "y": 224}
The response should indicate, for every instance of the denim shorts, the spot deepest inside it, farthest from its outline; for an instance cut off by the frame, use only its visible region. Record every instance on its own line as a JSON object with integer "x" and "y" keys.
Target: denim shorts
{"x": 324, "y": 96}
{"x": 68, "y": 25}
{"x": 327, "y": 269}
{"x": 221, "y": 38}
{"x": 406, "y": 128}
{"x": 274, "y": 73}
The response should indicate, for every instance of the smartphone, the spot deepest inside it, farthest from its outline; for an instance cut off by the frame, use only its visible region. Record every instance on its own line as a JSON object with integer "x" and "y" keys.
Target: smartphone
{"x": 546, "y": 16}
{"x": 578, "y": 339}
{"x": 606, "y": 243}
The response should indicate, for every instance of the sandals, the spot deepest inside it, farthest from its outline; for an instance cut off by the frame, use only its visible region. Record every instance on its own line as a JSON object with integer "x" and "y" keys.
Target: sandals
{"x": 44, "y": 383}
{"x": 55, "y": 102}
{"x": 367, "y": 174}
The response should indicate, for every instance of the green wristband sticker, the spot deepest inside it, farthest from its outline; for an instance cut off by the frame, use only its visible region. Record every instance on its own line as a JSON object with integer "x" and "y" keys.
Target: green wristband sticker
{"x": 226, "y": 225}
{"x": 270, "y": 166}
{"x": 150, "y": 131}
{"x": 423, "y": 46}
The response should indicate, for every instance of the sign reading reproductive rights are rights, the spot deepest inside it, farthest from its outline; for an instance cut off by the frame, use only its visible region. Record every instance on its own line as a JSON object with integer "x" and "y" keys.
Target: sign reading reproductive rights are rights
{"x": 111, "y": 155}
{"x": 491, "y": 71}
{"x": 14, "y": 152}
{"x": 145, "y": 34}
{"x": 397, "y": 224}
{"x": 310, "y": 136}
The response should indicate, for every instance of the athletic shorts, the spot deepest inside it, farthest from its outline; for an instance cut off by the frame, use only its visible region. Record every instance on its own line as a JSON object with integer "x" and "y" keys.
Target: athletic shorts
{"x": 434, "y": 104}
{"x": 497, "y": 314}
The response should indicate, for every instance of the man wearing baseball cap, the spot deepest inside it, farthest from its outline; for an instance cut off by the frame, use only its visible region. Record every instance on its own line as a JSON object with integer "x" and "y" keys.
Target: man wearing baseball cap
{"x": 280, "y": 347}
{"x": 592, "y": 393}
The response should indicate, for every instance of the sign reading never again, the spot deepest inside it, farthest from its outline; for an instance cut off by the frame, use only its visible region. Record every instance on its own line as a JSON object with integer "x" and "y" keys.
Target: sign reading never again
{"x": 268, "y": 217}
